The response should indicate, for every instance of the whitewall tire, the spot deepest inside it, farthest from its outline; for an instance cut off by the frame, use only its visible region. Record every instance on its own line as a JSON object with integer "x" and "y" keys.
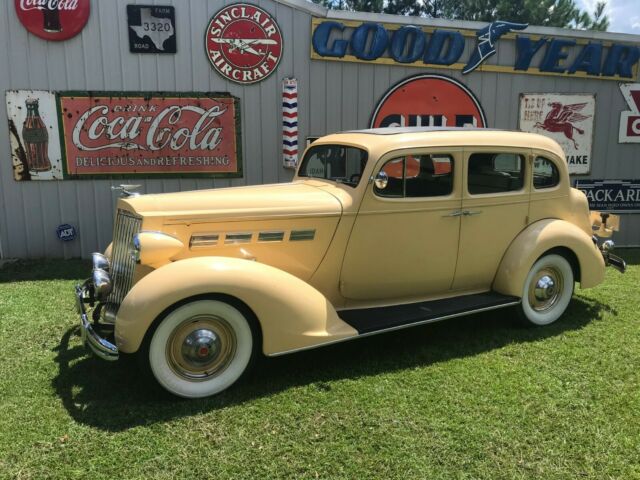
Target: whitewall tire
{"x": 201, "y": 348}
{"x": 547, "y": 290}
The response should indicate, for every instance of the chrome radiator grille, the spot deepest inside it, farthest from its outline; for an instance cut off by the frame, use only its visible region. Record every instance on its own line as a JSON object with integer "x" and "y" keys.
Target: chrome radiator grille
{"x": 122, "y": 265}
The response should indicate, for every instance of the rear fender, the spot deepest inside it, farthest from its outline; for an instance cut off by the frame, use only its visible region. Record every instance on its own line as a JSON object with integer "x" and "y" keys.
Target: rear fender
{"x": 539, "y": 238}
{"x": 291, "y": 313}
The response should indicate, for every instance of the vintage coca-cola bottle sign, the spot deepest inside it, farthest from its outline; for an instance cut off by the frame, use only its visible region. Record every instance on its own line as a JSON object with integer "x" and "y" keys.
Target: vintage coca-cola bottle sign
{"x": 36, "y": 139}
{"x": 53, "y": 19}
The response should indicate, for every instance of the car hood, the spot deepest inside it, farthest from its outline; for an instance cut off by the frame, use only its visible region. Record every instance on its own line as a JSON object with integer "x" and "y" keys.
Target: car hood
{"x": 283, "y": 199}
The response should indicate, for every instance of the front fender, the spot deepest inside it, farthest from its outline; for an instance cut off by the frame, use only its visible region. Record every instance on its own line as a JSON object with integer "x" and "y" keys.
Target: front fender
{"x": 292, "y": 314}
{"x": 540, "y": 237}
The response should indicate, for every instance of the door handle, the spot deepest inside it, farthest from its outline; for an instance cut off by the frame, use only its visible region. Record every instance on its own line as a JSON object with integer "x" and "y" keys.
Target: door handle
{"x": 457, "y": 213}
{"x": 468, "y": 213}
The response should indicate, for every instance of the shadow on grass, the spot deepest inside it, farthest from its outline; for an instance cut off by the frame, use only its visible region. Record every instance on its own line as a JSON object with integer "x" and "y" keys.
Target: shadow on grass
{"x": 115, "y": 397}
{"x": 45, "y": 269}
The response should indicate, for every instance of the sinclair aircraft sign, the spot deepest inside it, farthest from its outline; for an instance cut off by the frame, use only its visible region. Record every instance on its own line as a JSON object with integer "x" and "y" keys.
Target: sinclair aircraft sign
{"x": 243, "y": 43}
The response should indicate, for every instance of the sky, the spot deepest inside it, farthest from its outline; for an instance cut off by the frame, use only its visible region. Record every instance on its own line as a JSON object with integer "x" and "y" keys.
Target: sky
{"x": 623, "y": 14}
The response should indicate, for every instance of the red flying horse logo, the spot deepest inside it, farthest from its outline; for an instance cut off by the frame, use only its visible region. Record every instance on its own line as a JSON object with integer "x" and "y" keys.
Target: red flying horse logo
{"x": 562, "y": 118}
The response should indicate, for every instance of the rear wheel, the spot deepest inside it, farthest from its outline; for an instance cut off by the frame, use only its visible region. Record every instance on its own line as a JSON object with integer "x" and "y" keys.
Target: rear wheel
{"x": 200, "y": 348}
{"x": 547, "y": 290}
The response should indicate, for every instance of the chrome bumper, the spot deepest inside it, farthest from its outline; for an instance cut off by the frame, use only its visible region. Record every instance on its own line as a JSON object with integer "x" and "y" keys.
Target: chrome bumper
{"x": 610, "y": 260}
{"x": 100, "y": 346}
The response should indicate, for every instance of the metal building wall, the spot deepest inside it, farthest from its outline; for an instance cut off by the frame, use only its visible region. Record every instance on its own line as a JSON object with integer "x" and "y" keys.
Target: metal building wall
{"x": 332, "y": 96}
{"x": 99, "y": 59}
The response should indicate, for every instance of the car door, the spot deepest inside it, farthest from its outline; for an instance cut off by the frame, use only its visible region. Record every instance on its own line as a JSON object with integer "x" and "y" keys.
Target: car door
{"x": 404, "y": 240}
{"x": 495, "y": 205}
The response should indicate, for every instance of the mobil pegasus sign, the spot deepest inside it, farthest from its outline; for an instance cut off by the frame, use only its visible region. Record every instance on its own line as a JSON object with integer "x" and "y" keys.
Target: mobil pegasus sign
{"x": 421, "y": 46}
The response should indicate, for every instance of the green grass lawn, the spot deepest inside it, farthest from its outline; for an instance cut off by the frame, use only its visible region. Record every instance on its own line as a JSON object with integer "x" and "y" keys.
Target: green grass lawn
{"x": 474, "y": 397}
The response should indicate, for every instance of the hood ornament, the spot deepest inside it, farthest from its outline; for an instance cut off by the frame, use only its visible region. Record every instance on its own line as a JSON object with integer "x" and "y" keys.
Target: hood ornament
{"x": 127, "y": 190}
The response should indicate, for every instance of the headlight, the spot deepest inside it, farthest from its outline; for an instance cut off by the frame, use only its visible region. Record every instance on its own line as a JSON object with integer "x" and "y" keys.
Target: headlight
{"x": 101, "y": 284}
{"x": 100, "y": 261}
{"x": 154, "y": 248}
{"x": 134, "y": 250}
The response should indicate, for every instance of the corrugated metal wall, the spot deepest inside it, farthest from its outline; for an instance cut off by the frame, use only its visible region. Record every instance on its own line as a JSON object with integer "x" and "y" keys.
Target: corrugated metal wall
{"x": 332, "y": 96}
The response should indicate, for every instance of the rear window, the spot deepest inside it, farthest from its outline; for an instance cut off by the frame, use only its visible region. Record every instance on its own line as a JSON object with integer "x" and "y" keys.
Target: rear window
{"x": 545, "y": 173}
{"x": 495, "y": 173}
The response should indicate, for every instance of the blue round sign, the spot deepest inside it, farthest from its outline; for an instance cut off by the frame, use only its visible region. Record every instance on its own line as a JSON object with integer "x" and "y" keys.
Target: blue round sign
{"x": 66, "y": 232}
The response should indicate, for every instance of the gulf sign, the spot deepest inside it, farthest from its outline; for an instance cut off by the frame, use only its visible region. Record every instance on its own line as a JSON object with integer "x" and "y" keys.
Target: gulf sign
{"x": 428, "y": 100}
{"x": 423, "y": 46}
{"x": 630, "y": 120}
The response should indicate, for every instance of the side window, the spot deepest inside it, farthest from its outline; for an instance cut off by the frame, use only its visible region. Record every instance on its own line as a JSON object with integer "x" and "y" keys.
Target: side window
{"x": 545, "y": 173}
{"x": 495, "y": 173}
{"x": 417, "y": 176}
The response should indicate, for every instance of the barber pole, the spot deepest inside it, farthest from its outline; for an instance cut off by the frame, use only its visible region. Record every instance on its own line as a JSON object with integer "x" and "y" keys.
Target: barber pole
{"x": 290, "y": 122}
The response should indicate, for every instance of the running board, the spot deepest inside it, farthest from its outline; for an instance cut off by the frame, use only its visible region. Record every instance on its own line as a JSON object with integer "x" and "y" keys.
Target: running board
{"x": 380, "y": 319}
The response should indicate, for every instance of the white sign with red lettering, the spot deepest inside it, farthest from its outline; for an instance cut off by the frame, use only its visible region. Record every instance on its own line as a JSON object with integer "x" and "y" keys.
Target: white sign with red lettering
{"x": 630, "y": 119}
{"x": 567, "y": 118}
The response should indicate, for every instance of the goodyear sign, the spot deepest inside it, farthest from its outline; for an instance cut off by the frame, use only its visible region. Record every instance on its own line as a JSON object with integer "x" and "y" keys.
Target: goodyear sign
{"x": 418, "y": 46}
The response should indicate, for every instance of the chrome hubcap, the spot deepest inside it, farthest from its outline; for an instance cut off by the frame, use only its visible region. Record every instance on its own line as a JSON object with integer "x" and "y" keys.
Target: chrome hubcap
{"x": 545, "y": 289}
{"x": 201, "y": 347}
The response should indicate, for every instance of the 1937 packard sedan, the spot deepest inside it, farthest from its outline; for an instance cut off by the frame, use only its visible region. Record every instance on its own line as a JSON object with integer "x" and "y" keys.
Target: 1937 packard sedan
{"x": 379, "y": 230}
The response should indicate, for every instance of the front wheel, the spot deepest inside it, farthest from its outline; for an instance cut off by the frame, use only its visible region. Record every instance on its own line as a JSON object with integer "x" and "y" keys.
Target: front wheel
{"x": 200, "y": 348}
{"x": 547, "y": 290}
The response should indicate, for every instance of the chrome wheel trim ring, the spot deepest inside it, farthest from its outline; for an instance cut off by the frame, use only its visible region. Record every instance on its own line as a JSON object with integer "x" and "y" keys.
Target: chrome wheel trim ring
{"x": 545, "y": 289}
{"x": 201, "y": 347}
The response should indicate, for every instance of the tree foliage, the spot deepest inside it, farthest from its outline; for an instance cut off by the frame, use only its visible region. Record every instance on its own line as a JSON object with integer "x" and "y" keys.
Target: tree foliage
{"x": 551, "y": 13}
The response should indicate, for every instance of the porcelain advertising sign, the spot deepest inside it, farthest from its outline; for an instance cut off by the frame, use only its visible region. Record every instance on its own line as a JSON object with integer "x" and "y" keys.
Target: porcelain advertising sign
{"x": 33, "y": 135}
{"x": 421, "y": 46}
{"x": 630, "y": 119}
{"x": 53, "y": 19}
{"x": 567, "y": 118}
{"x": 243, "y": 43}
{"x": 621, "y": 196}
{"x": 428, "y": 100}
{"x": 150, "y": 134}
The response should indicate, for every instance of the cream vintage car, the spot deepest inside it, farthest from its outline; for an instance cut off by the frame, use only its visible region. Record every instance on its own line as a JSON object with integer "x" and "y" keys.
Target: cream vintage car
{"x": 379, "y": 230}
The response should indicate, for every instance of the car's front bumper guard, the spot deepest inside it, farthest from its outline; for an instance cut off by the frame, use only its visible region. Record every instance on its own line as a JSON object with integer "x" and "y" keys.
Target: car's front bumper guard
{"x": 614, "y": 261}
{"x": 99, "y": 345}
{"x": 610, "y": 260}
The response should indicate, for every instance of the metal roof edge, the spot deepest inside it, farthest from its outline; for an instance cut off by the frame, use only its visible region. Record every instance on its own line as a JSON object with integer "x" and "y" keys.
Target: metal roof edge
{"x": 305, "y": 6}
{"x": 319, "y": 11}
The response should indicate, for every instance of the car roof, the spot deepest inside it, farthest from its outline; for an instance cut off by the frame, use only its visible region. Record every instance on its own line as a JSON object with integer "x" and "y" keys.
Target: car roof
{"x": 380, "y": 140}
{"x": 399, "y": 130}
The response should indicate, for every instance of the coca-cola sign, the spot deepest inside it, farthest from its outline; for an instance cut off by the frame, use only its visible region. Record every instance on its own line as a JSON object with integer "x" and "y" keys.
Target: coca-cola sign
{"x": 53, "y": 19}
{"x": 34, "y": 135}
{"x": 148, "y": 134}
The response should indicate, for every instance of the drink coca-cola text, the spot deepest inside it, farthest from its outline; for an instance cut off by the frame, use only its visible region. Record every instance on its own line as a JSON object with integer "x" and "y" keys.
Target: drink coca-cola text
{"x": 147, "y": 134}
{"x": 164, "y": 130}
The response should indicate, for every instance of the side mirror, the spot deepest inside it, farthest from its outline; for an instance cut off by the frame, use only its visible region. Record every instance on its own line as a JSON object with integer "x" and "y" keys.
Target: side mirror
{"x": 381, "y": 180}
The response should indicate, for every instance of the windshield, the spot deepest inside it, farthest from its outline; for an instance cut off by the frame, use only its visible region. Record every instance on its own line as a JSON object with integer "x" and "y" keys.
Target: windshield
{"x": 339, "y": 163}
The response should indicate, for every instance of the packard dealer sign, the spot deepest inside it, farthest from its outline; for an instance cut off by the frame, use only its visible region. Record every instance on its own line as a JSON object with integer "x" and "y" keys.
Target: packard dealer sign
{"x": 101, "y": 134}
{"x": 622, "y": 196}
